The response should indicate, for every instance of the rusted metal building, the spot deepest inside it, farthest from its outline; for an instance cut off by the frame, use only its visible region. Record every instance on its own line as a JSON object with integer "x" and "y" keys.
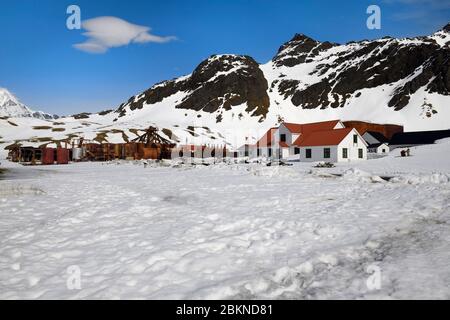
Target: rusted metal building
{"x": 62, "y": 156}
{"x": 40, "y": 155}
{"x": 48, "y": 156}
{"x": 151, "y": 145}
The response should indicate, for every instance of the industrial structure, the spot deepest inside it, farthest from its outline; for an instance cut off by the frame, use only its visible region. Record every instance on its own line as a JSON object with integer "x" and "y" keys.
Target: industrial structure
{"x": 150, "y": 145}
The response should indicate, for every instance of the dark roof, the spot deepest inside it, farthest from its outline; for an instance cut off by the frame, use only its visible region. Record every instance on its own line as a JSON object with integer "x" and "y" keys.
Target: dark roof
{"x": 375, "y": 145}
{"x": 379, "y": 136}
{"x": 419, "y": 137}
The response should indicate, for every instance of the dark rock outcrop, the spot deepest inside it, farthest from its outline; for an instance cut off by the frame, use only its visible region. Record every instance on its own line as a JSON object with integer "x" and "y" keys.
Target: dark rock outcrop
{"x": 298, "y": 50}
{"x": 220, "y": 81}
{"x": 372, "y": 64}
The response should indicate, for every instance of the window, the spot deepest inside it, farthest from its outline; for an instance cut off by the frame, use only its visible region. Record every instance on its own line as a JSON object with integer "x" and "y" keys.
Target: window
{"x": 270, "y": 152}
{"x": 327, "y": 153}
{"x": 283, "y": 137}
{"x": 297, "y": 151}
{"x": 360, "y": 153}
{"x": 308, "y": 154}
{"x": 355, "y": 138}
{"x": 345, "y": 153}
{"x": 384, "y": 150}
{"x": 258, "y": 152}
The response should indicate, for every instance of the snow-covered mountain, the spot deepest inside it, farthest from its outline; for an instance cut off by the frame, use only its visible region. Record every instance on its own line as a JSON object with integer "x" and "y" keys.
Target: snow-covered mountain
{"x": 232, "y": 99}
{"x": 404, "y": 81}
{"x": 10, "y": 106}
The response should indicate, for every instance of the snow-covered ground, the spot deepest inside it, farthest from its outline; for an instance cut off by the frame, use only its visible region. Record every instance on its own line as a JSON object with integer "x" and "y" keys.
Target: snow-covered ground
{"x": 229, "y": 231}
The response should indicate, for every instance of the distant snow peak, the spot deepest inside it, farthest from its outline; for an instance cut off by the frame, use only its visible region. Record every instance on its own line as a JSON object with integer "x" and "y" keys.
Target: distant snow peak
{"x": 10, "y": 106}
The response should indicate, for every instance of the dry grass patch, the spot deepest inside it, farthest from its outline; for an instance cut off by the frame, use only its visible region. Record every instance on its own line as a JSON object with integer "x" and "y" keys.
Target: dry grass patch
{"x": 101, "y": 137}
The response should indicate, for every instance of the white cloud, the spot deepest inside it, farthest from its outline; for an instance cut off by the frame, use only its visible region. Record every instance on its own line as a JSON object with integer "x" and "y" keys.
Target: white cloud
{"x": 110, "y": 32}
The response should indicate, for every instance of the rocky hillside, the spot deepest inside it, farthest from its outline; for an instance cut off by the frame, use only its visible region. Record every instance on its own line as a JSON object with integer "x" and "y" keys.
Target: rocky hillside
{"x": 403, "y": 81}
{"x": 342, "y": 71}
{"x": 218, "y": 83}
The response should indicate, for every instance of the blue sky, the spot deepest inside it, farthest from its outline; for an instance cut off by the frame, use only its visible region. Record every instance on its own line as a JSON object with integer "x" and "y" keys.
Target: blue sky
{"x": 39, "y": 63}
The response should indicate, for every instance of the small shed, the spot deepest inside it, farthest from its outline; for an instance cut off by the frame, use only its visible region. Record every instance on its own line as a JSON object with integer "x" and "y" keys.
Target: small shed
{"x": 378, "y": 148}
{"x": 377, "y": 142}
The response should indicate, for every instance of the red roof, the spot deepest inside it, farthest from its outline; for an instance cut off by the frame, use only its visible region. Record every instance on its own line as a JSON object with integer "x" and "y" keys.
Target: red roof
{"x": 266, "y": 140}
{"x": 294, "y": 127}
{"x": 311, "y": 127}
{"x": 303, "y": 129}
{"x": 323, "y": 138}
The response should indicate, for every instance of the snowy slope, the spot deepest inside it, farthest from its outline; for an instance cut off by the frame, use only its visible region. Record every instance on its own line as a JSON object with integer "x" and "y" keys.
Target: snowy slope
{"x": 399, "y": 81}
{"x": 10, "y": 106}
{"x": 228, "y": 231}
{"x": 364, "y": 81}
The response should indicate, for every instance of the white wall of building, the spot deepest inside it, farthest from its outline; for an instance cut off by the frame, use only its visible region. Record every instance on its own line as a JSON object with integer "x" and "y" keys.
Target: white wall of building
{"x": 284, "y": 153}
{"x": 283, "y": 130}
{"x": 339, "y": 125}
{"x": 337, "y": 152}
{"x": 353, "y": 153}
{"x": 264, "y": 152}
{"x": 243, "y": 150}
{"x": 317, "y": 154}
{"x": 384, "y": 147}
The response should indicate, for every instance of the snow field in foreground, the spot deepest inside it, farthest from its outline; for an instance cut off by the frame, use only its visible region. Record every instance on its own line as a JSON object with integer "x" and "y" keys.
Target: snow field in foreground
{"x": 227, "y": 231}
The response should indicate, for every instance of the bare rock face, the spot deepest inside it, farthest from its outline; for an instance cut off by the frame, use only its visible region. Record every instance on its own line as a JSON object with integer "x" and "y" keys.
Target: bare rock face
{"x": 435, "y": 75}
{"x": 367, "y": 64}
{"x": 220, "y": 81}
{"x": 446, "y": 28}
{"x": 299, "y": 49}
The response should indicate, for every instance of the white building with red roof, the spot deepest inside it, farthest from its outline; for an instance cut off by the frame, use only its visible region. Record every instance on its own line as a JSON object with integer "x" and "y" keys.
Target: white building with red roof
{"x": 287, "y": 133}
{"x": 328, "y": 141}
{"x": 338, "y": 145}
